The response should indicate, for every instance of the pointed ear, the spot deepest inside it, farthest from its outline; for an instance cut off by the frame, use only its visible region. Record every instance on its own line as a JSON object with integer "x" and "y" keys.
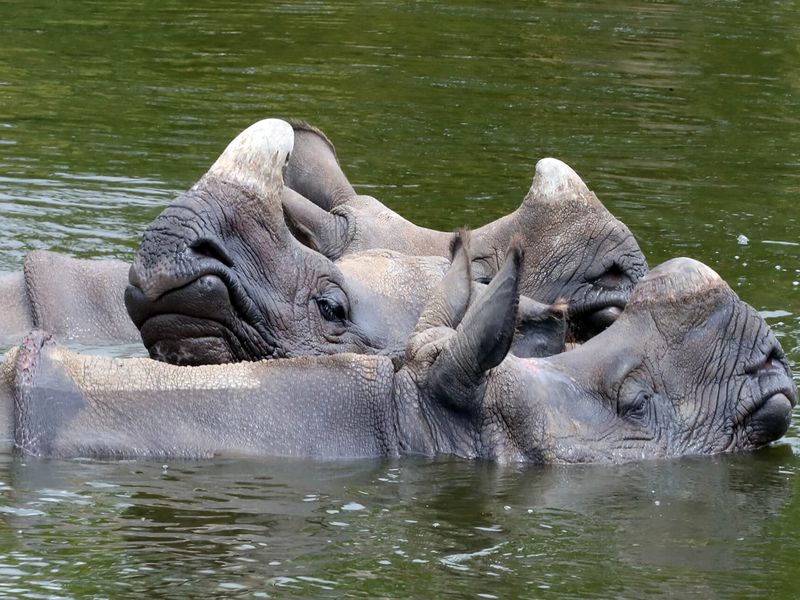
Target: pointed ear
{"x": 314, "y": 227}
{"x": 449, "y": 302}
{"x": 482, "y": 339}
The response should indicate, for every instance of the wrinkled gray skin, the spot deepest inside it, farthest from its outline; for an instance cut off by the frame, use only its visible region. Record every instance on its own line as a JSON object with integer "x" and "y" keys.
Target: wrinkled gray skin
{"x": 77, "y": 301}
{"x": 575, "y": 249}
{"x": 220, "y": 278}
{"x": 687, "y": 369}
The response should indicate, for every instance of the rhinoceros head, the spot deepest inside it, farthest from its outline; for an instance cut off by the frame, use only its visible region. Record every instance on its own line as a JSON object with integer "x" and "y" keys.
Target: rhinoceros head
{"x": 577, "y": 252}
{"x": 220, "y": 278}
{"x": 688, "y": 368}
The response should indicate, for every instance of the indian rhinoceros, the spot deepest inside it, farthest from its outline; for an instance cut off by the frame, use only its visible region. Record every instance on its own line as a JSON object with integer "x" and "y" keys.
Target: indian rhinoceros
{"x": 77, "y": 300}
{"x": 219, "y": 276}
{"x": 688, "y": 368}
{"x": 576, "y": 250}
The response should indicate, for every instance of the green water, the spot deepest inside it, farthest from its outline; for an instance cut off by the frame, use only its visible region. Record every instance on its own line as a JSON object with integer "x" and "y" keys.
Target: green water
{"x": 682, "y": 116}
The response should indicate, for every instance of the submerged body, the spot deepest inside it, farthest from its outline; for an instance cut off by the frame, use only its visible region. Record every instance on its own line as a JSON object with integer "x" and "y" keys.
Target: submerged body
{"x": 688, "y": 369}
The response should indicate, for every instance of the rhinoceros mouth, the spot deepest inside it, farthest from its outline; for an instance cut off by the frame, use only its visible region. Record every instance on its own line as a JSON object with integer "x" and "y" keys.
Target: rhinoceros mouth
{"x": 768, "y": 419}
{"x": 210, "y": 345}
{"x": 585, "y": 320}
{"x": 197, "y": 323}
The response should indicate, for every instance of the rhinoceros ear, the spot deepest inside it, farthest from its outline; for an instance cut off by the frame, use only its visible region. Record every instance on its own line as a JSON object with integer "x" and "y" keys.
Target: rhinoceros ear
{"x": 323, "y": 232}
{"x": 313, "y": 169}
{"x": 449, "y": 302}
{"x": 482, "y": 339}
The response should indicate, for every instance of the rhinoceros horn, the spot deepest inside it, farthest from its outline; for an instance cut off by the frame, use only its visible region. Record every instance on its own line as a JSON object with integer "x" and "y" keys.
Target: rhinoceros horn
{"x": 249, "y": 170}
{"x": 668, "y": 289}
{"x": 676, "y": 281}
{"x": 255, "y": 158}
{"x": 555, "y": 183}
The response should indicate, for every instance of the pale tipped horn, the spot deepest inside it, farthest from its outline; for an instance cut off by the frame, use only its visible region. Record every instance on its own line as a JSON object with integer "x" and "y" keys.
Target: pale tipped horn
{"x": 554, "y": 182}
{"x": 255, "y": 158}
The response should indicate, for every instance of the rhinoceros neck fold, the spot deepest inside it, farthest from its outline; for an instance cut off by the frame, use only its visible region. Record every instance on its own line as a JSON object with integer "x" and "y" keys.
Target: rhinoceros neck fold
{"x": 327, "y": 407}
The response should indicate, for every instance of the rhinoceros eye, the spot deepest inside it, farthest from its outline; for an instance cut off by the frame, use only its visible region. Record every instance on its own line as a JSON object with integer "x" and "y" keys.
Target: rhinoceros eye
{"x": 635, "y": 408}
{"x": 612, "y": 277}
{"x": 634, "y": 395}
{"x": 332, "y": 305}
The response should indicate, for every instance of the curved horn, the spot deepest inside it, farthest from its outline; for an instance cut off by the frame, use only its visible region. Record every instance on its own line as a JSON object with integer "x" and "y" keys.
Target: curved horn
{"x": 677, "y": 281}
{"x": 255, "y": 158}
{"x": 555, "y": 182}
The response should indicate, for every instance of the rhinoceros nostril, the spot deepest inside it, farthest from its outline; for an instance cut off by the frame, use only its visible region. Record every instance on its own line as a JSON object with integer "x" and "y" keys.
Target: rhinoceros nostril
{"x": 211, "y": 248}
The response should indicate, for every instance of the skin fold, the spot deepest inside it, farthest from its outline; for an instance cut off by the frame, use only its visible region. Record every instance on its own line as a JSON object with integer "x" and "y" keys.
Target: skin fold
{"x": 576, "y": 251}
{"x": 77, "y": 301}
{"x": 220, "y": 276}
{"x": 687, "y": 369}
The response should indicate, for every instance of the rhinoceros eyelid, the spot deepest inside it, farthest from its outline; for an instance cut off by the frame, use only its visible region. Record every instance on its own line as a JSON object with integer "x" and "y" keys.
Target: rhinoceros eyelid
{"x": 637, "y": 408}
{"x": 621, "y": 375}
{"x": 332, "y": 304}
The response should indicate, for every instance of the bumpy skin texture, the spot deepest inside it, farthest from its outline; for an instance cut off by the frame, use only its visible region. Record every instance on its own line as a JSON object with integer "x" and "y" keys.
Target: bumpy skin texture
{"x": 77, "y": 405}
{"x": 75, "y": 300}
{"x": 688, "y": 369}
{"x": 16, "y": 319}
{"x": 8, "y": 371}
{"x": 219, "y": 277}
{"x": 575, "y": 249}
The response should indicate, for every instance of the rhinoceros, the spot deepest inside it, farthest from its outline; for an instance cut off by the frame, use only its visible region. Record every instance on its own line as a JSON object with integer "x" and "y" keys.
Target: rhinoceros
{"x": 79, "y": 301}
{"x": 577, "y": 250}
{"x": 688, "y": 368}
{"x": 220, "y": 277}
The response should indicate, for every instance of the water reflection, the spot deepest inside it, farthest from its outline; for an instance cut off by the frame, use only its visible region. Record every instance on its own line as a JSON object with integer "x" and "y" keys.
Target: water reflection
{"x": 680, "y": 115}
{"x": 351, "y": 526}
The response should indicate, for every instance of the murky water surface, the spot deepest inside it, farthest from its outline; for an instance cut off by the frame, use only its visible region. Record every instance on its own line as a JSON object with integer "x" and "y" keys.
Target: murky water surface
{"x": 682, "y": 116}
